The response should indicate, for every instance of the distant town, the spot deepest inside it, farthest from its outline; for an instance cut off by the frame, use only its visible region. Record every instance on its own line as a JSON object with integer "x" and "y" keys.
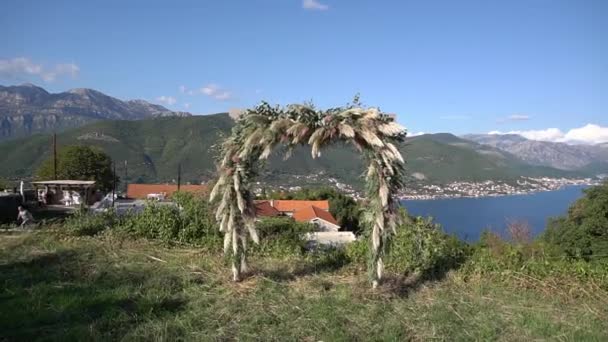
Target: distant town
{"x": 524, "y": 185}
{"x": 459, "y": 189}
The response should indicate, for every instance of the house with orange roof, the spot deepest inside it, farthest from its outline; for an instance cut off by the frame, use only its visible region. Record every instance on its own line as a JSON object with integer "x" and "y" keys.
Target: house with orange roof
{"x": 315, "y": 212}
{"x": 322, "y": 219}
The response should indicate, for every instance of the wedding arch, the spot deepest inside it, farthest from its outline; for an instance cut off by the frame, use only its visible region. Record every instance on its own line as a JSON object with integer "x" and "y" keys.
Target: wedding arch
{"x": 259, "y": 130}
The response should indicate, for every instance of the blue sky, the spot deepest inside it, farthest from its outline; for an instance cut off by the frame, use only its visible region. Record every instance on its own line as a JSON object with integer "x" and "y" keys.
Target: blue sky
{"x": 457, "y": 66}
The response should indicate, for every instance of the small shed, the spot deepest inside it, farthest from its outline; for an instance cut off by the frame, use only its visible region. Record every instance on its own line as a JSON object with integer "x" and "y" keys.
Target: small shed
{"x": 65, "y": 192}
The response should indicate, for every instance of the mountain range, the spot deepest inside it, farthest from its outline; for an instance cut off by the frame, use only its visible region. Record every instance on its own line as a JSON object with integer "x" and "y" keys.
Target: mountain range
{"x": 153, "y": 148}
{"x": 554, "y": 154}
{"x": 28, "y": 109}
{"x": 153, "y": 140}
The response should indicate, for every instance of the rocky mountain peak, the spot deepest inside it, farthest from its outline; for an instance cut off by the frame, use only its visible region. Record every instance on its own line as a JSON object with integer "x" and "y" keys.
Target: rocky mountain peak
{"x": 27, "y": 109}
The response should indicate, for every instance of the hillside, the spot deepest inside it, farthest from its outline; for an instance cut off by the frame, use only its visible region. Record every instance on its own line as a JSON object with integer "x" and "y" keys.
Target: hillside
{"x": 28, "y": 109}
{"x": 153, "y": 149}
{"x": 557, "y": 155}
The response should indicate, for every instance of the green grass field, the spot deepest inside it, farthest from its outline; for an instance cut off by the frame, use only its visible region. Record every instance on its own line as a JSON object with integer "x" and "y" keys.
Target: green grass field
{"x": 105, "y": 288}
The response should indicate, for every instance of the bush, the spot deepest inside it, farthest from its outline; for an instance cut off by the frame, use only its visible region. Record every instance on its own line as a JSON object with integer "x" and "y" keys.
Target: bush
{"x": 156, "y": 221}
{"x": 420, "y": 246}
{"x": 494, "y": 255}
{"x": 583, "y": 233}
{"x": 281, "y": 237}
{"x": 198, "y": 220}
{"x": 189, "y": 220}
{"x": 87, "y": 224}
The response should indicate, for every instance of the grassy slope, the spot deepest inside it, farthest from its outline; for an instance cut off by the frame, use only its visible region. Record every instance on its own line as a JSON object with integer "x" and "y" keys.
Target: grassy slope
{"x": 95, "y": 289}
{"x": 154, "y": 147}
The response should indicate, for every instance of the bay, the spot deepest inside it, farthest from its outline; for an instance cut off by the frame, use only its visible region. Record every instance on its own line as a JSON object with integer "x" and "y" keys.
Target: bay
{"x": 467, "y": 218}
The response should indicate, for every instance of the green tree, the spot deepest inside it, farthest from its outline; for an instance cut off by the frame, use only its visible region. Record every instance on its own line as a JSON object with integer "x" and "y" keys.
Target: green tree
{"x": 80, "y": 163}
{"x": 584, "y": 231}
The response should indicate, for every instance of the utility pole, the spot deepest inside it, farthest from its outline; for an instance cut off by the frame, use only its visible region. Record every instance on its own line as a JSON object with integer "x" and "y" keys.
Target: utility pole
{"x": 113, "y": 183}
{"x": 126, "y": 183}
{"x": 55, "y": 156}
{"x": 179, "y": 175}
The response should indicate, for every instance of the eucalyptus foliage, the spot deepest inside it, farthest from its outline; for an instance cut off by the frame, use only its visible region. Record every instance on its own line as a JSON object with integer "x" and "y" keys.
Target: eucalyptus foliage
{"x": 259, "y": 130}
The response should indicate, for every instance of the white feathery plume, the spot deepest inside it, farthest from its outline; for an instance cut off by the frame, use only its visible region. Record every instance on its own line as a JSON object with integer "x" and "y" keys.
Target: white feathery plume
{"x": 223, "y": 204}
{"x": 396, "y": 152}
{"x": 235, "y": 241}
{"x": 266, "y": 152}
{"x": 391, "y": 129}
{"x": 351, "y": 112}
{"x": 240, "y": 202}
{"x": 371, "y": 170}
{"x": 383, "y": 193}
{"x": 371, "y": 138}
{"x": 371, "y": 113}
{"x": 224, "y": 222}
{"x": 237, "y": 181}
{"x": 346, "y": 130}
{"x": 316, "y": 135}
{"x": 380, "y": 221}
{"x": 387, "y": 165}
{"x": 375, "y": 238}
{"x": 250, "y": 224}
{"x": 220, "y": 182}
{"x": 379, "y": 268}
{"x": 227, "y": 238}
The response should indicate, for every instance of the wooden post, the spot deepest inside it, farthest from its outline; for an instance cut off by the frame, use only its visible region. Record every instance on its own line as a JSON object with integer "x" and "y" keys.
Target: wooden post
{"x": 55, "y": 156}
{"x": 179, "y": 175}
{"x": 113, "y": 183}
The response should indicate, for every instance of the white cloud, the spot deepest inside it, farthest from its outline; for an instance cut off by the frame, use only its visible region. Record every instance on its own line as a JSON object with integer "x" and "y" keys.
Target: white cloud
{"x": 182, "y": 89}
{"x": 22, "y": 66}
{"x": 216, "y": 92}
{"x": 518, "y": 117}
{"x": 588, "y": 134}
{"x": 209, "y": 89}
{"x": 168, "y": 100}
{"x": 314, "y": 5}
{"x": 187, "y": 105}
{"x": 415, "y": 134}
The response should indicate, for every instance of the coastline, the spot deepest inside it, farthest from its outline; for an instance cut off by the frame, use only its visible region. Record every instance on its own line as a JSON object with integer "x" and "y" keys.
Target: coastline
{"x": 542, "y": 185}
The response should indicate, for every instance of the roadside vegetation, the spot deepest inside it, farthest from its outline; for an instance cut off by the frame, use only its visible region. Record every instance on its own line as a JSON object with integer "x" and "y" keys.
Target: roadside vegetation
{"x": 160, "y": 275}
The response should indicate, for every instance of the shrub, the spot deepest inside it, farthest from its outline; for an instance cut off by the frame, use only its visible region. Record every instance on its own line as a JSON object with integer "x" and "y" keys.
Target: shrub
{"x": 583, "y": 233}
{"x": 156, "y": 221}
{"x": 189, "y": 220}
{"x": 281, "y": 237}
{"x": 87, "y": 224}
{"x": 419, "y": 246}
{"x": 198, "y": 223}
{"x": 496, "y": 256}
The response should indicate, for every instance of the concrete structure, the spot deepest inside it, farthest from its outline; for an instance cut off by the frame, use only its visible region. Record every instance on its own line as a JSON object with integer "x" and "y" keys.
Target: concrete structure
{"x": 65, "y": 192}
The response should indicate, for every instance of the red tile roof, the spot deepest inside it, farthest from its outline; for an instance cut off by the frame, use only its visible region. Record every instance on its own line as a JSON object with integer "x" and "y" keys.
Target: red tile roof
{"x": 312, "y": 212}
{"x": 263, "y": 208}
{"x": 141, "y": 191}
{"x": 295, "y": 205}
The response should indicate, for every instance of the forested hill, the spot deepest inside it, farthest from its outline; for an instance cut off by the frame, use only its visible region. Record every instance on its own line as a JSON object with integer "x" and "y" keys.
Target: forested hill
{"x": 153, "y": 148}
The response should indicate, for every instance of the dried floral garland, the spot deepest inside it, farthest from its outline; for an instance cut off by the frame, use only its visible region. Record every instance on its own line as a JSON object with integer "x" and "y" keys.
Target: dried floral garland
{"x": 259, "y": 130}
